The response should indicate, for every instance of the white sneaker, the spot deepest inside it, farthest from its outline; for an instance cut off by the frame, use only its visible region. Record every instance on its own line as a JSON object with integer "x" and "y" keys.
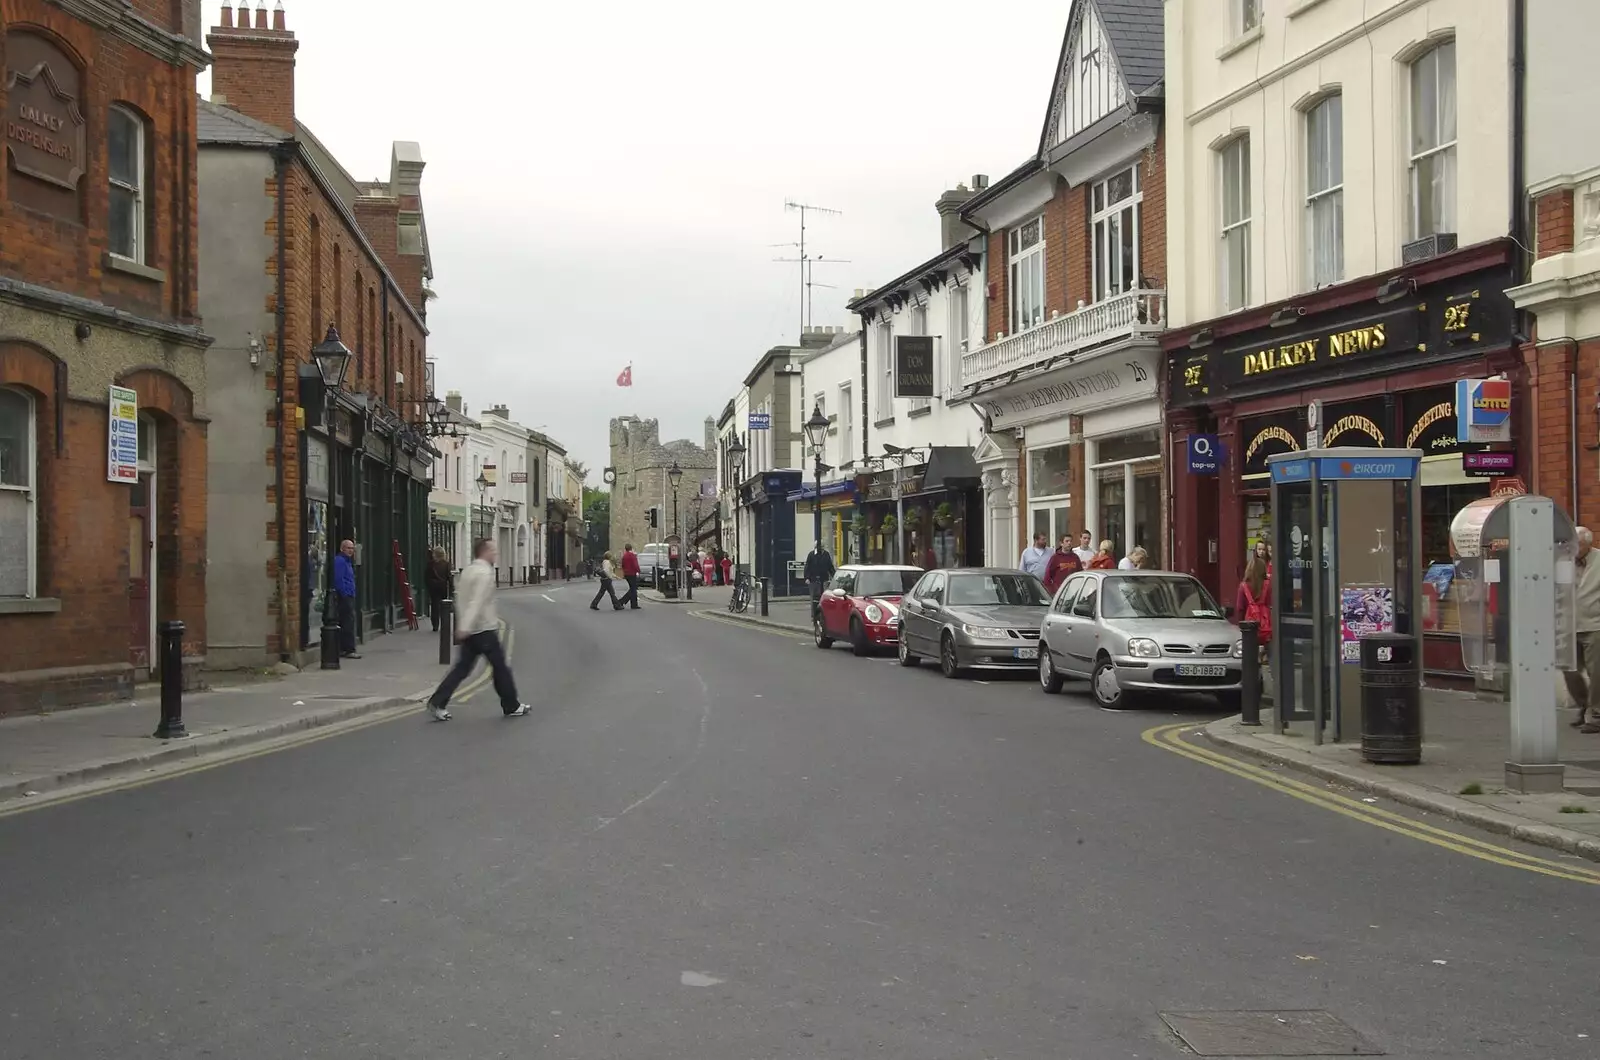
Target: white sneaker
{"x": 439, "y": 713}
{"x": 519, "y": 712}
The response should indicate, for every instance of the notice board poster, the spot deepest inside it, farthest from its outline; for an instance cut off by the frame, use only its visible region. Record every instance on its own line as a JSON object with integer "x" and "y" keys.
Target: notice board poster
{"x": 1363, "y": 609}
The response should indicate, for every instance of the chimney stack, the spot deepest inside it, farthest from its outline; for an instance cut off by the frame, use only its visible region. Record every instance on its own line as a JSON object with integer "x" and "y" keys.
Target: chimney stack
{"x": 253, "y": 65}
{"x": 952, "y": 229}
{"x": 452, "y": 401}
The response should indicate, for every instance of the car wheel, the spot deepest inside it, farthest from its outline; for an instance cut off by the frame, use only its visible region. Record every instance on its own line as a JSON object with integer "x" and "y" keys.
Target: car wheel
{"x": 822, "y": 639}
{"x": 904, "y": 649}
{"x": 1107, "y": 691}
{"x": 1049, "y": 680}
{"x": 949, "y": 665}
{"x": 858, "y": 637}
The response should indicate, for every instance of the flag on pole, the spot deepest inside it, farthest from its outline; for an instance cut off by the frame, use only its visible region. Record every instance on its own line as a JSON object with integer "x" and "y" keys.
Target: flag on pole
{"x": 626, "y": 378}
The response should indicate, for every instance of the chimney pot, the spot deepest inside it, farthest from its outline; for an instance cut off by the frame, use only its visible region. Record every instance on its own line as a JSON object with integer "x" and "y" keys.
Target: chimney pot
{"x": 261, "y": 14}
{"x": 277, "y": 17}
{"x": 227, "y": 16}
{"x": 980, "y": 181}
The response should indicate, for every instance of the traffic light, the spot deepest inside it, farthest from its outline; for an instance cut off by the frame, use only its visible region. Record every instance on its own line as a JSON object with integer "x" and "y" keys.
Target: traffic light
{"x": 655, "y": 517}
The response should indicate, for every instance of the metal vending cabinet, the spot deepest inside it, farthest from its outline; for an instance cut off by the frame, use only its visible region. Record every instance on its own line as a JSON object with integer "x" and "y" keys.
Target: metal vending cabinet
{"x": 1346, "y": 563}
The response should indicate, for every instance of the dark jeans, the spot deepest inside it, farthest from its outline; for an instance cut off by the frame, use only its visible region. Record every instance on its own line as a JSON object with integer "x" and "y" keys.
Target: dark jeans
{"x": 435, "y": 608}
{"x": 347, "y": 625}
{"x": 606, "y": 590}
{"x": 486, "y": 644}
{"x": 632, "y": 596}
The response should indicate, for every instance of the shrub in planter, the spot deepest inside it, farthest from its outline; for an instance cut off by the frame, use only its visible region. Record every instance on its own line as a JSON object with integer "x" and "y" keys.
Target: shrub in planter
{"x": 943, "y": 516}
{"x": 888, "y": 525}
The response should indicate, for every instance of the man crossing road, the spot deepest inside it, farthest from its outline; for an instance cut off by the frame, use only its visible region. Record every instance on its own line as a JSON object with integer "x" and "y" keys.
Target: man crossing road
{"x": 630, "y": 571}
{"x": 478, "y": 634}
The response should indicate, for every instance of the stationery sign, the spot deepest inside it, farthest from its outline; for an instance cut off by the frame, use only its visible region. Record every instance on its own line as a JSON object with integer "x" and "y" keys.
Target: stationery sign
{"x": 1483, "y": 410}
{"x": 122, "y": 455}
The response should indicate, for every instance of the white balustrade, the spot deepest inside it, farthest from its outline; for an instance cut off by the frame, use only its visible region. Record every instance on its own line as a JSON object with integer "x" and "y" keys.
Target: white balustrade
{"x": 1137, "y": 312}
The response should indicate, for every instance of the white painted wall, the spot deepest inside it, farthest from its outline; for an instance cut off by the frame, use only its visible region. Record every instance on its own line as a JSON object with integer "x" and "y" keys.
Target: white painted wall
{"x": 1218, "y": 86}
{"x": 1563, "y": 120}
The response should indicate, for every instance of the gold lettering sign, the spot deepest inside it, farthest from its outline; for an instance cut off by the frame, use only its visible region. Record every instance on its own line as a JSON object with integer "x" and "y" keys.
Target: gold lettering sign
{"x": 1456, "y": 316}
{"x": 1428, "y": 419}
{"x": 1345, "y": 424}
{"x": 1267, "y": 434}
{"x": 1295, "y": 354}
{"x": 44, "y": 137}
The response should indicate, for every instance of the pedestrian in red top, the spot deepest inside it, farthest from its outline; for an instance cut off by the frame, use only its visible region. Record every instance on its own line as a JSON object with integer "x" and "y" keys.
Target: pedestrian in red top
{"x": 1064, "y": 563}
{"x": 1254, "y": 603}
{"x": 1105, "y": 559}
{"x": 727, "y": 570}
{"x": 630, "y": 571}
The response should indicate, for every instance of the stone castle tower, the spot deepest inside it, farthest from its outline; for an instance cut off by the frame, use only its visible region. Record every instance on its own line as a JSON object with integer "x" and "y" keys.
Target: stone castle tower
{"x": 641, "y": 460}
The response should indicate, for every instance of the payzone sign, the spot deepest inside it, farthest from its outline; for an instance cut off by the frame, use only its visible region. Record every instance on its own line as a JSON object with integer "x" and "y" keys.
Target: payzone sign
{"x": 1483, "y": 410}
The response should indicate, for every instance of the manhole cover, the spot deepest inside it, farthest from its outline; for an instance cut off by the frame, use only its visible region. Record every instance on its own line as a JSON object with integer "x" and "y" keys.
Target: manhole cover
{"x": 1293, "y": 1033}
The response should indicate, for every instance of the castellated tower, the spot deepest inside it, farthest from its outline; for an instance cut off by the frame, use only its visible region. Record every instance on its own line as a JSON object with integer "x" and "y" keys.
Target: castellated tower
{"x": 641, "y": 460}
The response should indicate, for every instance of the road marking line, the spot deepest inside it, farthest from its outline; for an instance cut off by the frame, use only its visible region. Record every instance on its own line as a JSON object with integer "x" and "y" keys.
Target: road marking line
{"x": 547, "y": 596}
{"x": 1167, "y": 738}
{"x": 712, "y": 616}
{"x": 285, "y": 742}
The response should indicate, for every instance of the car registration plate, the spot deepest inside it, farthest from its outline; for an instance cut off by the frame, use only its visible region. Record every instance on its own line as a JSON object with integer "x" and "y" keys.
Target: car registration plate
{"x": 1024, "y": 653}
{"x": 1201, "y": 670}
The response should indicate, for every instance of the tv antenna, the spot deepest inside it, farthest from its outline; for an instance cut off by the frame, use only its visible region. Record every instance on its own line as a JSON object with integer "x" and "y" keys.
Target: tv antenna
{"x": 804, "y": 261}
{"x": 807, "y": 264}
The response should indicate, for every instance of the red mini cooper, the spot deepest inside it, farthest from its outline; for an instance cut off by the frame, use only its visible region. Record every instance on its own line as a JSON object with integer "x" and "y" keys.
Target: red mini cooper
{"x": 862, "y": 604}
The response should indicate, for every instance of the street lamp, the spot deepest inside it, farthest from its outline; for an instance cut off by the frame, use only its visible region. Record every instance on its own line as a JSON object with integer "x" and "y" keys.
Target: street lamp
{"x": 483, "y": 488}
{"x": 736, "y": 452}
{"x": 333, "y": 359}
{"x": 675, "y": 476}
{"x": 816, "y": 429}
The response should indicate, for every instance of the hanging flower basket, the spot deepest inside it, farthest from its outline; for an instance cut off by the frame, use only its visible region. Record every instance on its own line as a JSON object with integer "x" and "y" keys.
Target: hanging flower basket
{"x": 943, "y": 516}
{"x": 858, "y": 525}
{"x": 913, "y": 519}
{"x": 888, "y": 524}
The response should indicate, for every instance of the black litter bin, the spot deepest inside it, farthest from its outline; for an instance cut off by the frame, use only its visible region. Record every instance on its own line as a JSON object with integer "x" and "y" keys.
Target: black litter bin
{"x": 1391, "y": 700}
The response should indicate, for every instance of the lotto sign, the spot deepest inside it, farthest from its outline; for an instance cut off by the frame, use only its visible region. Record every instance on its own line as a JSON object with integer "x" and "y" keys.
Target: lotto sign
{"x": 1483, "y": 410}
{"x": 122, "y": 452}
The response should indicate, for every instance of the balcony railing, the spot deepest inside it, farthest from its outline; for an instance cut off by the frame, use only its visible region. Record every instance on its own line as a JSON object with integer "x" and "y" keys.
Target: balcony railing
{"x": 1137, "y": 312}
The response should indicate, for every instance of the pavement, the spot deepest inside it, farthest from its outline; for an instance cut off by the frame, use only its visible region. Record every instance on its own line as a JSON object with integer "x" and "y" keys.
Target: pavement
{"x": 711, "y": 840}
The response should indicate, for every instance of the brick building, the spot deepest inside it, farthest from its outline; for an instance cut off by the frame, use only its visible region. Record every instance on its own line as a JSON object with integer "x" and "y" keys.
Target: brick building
{"x": 291, "y": 243}
{"x": 1066, "y": 366}
{"x": 102, "y": 491}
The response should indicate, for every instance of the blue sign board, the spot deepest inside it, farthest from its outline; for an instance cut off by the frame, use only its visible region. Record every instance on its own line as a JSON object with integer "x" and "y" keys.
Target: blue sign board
{"x": 1354, "y": 468}
{"x": 760, "y": 421}
{"x": 1205, "y": 454}
{"x": 1291, "y": 471}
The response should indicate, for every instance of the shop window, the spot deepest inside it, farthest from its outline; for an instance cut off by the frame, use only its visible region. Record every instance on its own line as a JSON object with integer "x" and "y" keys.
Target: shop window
{"x": 1126, "y": 501}
{"x": 1115, "y": 228}
{"x": 1026, "y": 242}
{"x": 1325, "y": 190}
{"x": 1049, "y": 491}
{"x": 128, "y": 169}
{"x": 18, "y": 543}
{"x": 1433, "y": 142}
{"x": 1234, "y": 264}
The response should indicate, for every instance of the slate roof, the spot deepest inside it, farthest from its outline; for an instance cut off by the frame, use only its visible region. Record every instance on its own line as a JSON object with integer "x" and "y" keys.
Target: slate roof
{"x": 217, "y": 124}
{"x": 1138, "y": 36}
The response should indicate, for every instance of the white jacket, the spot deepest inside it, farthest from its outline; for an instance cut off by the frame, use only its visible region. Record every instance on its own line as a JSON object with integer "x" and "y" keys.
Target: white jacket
{"x": 476, "y": 610}
{"x": 606, "y": 571}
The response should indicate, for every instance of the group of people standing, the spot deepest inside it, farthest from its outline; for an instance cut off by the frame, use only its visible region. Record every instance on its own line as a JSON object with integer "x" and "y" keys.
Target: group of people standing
{"x": 1055, "y": 567}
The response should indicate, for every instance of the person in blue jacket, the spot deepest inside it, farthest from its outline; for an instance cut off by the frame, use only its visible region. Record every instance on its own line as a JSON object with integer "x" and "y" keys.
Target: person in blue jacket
{"x": 344, "y": 589}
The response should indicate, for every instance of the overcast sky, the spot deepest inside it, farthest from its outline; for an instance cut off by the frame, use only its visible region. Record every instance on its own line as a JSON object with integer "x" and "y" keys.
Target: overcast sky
{"x": 604, "y": 180}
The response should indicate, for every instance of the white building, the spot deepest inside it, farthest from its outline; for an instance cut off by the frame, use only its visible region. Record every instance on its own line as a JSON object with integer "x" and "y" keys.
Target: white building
{"x": 500, "y": 450}
{"x": 451, "y": 497}
{"x": 830, "y": 381}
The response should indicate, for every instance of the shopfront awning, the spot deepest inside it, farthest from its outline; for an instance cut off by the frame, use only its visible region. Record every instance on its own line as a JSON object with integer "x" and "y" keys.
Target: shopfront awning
{"x": 951, "y": 467}
{"x": 829, "y": 489}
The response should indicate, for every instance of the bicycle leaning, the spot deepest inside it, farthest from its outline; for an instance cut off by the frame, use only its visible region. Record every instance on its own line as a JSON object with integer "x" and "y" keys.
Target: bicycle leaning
{"x": 740, "y": 600}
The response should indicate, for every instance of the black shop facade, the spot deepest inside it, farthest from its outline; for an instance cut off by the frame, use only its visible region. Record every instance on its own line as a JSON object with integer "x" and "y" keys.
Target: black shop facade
{"x": 1376, "y": 361}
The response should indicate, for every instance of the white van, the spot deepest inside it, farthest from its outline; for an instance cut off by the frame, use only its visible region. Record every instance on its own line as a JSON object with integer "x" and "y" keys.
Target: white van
{"x": 652, "y": 556}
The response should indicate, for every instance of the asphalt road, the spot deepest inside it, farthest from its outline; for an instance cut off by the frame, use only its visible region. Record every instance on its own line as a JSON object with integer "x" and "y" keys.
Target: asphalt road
{"x": 716, "y": 842}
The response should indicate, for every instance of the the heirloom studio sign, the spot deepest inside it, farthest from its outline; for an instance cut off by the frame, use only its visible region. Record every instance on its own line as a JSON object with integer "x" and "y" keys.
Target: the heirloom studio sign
{"x": 44, "y": 128}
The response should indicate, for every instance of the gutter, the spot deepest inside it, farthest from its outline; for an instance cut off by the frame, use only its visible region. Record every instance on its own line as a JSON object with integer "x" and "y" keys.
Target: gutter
{"x": 1521, "y": 256}
{"x": 283, "y": 154}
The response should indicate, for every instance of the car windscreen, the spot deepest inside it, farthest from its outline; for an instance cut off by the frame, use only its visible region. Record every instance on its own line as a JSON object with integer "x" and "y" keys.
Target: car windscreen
{"x": 990, "y": 590}
{"x": 886, "y": 582}
{"x": 1175, "y": 597}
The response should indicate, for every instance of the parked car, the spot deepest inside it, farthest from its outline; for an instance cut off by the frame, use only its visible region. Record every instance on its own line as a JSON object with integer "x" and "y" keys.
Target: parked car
{"x": 862, "y": 602}
{"x": 984, "y": 617}
{"x": 651, "y": 558}
{"x": 1134, "y": 632}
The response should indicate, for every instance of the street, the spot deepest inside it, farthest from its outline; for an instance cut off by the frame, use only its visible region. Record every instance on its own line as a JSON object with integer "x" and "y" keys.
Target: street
{"x": 713, "y": 841}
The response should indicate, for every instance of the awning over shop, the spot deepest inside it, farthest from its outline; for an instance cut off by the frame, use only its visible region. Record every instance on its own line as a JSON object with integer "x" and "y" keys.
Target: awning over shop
{"x": 951, "y": 467}
{"x": 831, "y": 489}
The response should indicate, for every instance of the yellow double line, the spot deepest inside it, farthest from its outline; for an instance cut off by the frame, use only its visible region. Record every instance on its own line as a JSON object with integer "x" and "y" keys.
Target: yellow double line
{"x": 1168, "y": 738}
{"x": 276, "y": 744}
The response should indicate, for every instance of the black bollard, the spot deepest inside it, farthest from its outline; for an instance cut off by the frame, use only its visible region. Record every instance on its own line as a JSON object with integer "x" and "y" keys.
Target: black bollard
{"x": 688, "y": 583}
{"x": 763, "y": 598}
{"x": 1250, "y": 674}
{"x": 330, "y": 644}
{"x": 447, "y": 616}
{"x": 171, "y": 725}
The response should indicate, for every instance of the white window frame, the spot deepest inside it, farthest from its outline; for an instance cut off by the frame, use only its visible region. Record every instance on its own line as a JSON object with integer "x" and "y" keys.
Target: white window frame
{"x": 919, "y": 326}
{"x": 1025, "y": 274}
{"x": 884, "y": 408}
{"x": 1039, "y": 501}
{"x": 1234, "y": 214}
{"x": 1440, "y": 148}
{"x": 1103, "y": 256}
{"x": 1324, "y": 122}
{"x": 847, "y": 432}
{"x": 960, "y": 332}
{"x": 136, "y": 190}
{"x": 30, "y": 492}
{"x": 1246, "y": 16}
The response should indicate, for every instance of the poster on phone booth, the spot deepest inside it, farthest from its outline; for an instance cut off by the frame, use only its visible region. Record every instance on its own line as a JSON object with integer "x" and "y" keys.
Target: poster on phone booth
{"x": 1363, "y": 609}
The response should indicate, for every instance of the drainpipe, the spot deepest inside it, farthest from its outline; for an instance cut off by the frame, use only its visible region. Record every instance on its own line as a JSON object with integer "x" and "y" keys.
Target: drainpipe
{"x": 282, "y": 156}
{"x": 1520, "y": 254}
{"x": 866, "y": 445}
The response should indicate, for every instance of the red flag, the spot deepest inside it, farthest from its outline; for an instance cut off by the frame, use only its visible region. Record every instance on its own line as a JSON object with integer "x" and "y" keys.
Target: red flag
{"x": 626, "y": 378}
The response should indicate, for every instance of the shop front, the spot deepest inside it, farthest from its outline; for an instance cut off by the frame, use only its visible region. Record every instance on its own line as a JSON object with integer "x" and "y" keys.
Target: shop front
{"x": 1088, "y": 441}
{"x": 1370, "y": 365}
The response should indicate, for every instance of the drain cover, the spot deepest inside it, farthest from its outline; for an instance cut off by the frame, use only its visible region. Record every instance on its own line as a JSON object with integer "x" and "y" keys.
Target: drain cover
{"x": 1292, "y": 1033}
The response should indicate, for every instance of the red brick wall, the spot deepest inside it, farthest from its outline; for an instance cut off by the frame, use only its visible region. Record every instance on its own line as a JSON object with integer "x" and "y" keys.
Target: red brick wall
{"x": 1153, "y": 211}
{"x": 1551, "y": 405}
{"x": 253, "y": 68}
{"x": 68, "y": 253}
{"x": 999, "y": 276}
{"x": 1553, "y": 225}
